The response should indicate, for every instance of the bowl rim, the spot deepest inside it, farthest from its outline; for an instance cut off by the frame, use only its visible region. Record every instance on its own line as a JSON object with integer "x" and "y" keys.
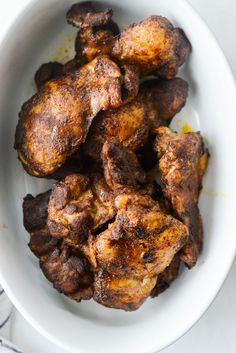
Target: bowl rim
{"x": 19, "y": 11}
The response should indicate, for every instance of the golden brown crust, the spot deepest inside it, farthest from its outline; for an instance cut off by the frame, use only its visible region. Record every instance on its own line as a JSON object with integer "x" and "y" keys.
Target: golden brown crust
{"x": 141, "y": 242}
{"x": 127, "y": 293}
{"x": 55, "y": 121}
{"x": 182, "y": 164}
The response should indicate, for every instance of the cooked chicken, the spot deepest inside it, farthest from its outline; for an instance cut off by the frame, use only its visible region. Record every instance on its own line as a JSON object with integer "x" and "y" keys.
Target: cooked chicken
{"x": 112, "y": 233}
{"x": 153, "y": 45}
{"x": 121, "y": 167}
{"x": 122, "y": 292}
{"x": 134, "y": 249}
{"x": 182, "y": 163}
{"x": 142, "y": 241}
{"x": 165, "y": 278}
{"x": 55, "y": 121}
{"x": 78, "y": 205}
{"x": 69, "y": 271}
{"x": 156, "y": 104}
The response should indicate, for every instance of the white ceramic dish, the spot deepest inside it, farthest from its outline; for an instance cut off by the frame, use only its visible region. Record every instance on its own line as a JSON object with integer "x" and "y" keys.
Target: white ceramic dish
{"x": 34, "y": 37}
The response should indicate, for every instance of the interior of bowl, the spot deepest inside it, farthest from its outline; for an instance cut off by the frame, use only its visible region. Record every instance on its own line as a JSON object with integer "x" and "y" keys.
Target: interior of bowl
{"x": 41, "y": 34}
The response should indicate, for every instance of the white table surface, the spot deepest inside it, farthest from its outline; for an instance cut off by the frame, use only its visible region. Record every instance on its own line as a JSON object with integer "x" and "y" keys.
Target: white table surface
{"x": 216, "y": 330}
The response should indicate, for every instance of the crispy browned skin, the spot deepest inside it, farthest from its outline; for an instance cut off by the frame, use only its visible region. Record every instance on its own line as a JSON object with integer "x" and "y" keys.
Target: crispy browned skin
{"x": 55, "y": 121}
{"x": 121, "y": 166}
{"x": 142, "y": 240}
{"x": 165, "y": 278}
{"x": 156, "y": 104}
{"x": 69, "y": 272}
{"x": 134, "y": 249}
{"x": 122, "y": 292}
{"x": 153, "y": 45}
{"x": 182, "y": 164}
{"x": 78, "y": 205}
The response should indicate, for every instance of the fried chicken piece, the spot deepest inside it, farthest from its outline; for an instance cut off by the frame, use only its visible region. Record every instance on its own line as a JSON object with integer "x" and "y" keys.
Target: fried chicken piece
{"x": 69, "y": 272}
{"x": 153, "y": 45}
{"x": 47, "y": 72}
{"x": 142, "y": 241}
{"x": 121, "y": 166}
{"x": 122, "y": 292}
{"x": 156, "y": 104}
{"x": 78, "y": 205}
{"x": 55, "y": 121}
{"x": 165, "y": 278}
{"x": 182, "y": 164}
{"x": 134, "y": 249}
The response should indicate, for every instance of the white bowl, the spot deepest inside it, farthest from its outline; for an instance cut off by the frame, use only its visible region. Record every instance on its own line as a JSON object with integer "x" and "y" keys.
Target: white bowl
{"x": 37, "y": 36}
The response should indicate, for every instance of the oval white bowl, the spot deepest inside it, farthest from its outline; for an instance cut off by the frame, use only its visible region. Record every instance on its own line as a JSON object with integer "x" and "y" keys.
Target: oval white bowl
{"x": 34, "y": 37}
